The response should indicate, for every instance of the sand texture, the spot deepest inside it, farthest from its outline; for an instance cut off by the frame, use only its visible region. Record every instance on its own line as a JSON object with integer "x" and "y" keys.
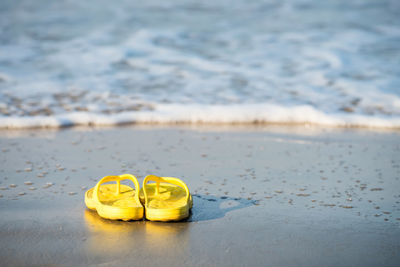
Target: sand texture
{"x": 263, "y": 196}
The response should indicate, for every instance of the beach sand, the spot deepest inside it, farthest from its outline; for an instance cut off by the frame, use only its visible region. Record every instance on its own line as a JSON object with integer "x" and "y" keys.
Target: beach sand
{"x": 263, "y": 196}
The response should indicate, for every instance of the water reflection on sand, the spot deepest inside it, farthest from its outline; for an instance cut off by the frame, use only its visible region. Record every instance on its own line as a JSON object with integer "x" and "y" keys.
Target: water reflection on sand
{"x": 120, "y": 238}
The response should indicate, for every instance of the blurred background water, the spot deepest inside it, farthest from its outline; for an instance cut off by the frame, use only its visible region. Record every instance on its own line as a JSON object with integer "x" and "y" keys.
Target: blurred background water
{"x": 330, "y": 62}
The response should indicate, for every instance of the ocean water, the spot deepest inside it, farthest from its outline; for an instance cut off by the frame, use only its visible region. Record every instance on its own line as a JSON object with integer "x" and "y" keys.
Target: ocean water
{"x": 333, "y": 62}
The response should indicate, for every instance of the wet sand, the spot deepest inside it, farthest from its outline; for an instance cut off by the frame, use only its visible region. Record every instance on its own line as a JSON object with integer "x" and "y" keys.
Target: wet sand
{"x": 263, "y": 196}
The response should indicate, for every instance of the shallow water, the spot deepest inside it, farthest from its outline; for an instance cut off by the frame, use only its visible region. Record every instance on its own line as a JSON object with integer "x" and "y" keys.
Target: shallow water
{"x": 71, "y": 62}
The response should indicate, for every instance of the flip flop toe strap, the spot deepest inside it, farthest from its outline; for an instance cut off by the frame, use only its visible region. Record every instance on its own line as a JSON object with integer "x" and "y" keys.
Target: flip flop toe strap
{"x": 118, "y": 179}
{"x": 169, "y": 180}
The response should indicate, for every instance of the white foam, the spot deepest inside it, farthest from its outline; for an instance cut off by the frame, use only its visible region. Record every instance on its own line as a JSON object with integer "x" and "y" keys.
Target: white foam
{"x": 207, "y": 114}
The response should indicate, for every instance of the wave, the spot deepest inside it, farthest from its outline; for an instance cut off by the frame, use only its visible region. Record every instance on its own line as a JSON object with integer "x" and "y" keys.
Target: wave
{"x": 218, "y": 63}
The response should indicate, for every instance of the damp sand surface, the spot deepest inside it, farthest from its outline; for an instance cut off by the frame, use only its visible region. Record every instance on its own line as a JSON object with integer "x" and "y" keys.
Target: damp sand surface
{"x": 276, "y": 196}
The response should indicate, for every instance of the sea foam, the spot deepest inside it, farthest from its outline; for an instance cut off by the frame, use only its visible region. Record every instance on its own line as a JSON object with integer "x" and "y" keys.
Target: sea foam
{"x": 202, "y": 114}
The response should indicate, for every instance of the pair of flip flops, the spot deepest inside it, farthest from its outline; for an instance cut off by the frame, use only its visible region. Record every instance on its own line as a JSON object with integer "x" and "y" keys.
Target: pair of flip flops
{"x": 166, "y": 199}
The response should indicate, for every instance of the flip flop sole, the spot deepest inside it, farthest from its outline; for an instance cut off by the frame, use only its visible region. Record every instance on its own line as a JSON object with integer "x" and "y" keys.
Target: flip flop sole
{"x": 114, "y": 206}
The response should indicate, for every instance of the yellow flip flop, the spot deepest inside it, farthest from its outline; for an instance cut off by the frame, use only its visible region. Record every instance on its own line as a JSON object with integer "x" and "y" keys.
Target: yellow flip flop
{"x": 115, "y": 201}
{"x": 168, "y": 199}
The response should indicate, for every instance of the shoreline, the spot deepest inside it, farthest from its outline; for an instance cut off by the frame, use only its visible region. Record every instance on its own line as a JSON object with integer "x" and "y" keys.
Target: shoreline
{"x": 232, "y": 125}
{"x": 195, "y": 114}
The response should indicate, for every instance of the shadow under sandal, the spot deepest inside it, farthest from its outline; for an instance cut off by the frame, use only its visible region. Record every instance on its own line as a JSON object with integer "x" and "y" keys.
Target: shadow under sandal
{"x": 168, "y": 199}
{"x": 115, "y": 201}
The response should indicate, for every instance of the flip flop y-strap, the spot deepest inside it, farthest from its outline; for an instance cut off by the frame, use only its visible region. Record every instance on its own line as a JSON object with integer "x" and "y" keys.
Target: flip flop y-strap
{"x": 118, "y": 179}
{"x": 169, "y": 180}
